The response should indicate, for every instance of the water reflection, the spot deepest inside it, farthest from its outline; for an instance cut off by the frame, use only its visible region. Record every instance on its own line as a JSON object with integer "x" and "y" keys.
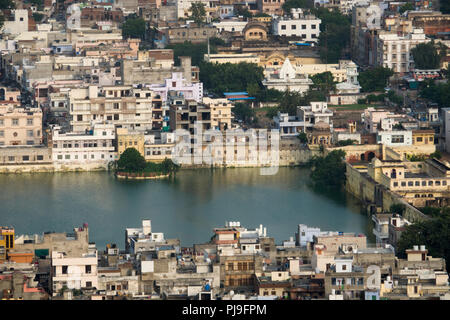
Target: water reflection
{"x": 187, "y": 206}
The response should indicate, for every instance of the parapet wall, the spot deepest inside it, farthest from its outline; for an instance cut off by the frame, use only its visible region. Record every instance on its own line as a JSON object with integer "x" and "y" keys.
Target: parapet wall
{"x": 368, "y": 191}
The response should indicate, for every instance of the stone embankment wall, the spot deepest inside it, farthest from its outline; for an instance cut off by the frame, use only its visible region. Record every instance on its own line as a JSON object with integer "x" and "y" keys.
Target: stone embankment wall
{"x": 370, "y": 192}
{"x": 52, "y": 167}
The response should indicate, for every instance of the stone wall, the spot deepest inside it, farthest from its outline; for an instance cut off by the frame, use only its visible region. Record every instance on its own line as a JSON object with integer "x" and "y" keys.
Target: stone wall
{"x": 370, "y": 192}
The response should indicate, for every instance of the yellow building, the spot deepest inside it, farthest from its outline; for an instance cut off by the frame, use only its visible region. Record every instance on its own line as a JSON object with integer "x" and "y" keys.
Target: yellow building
{"x": 220, "y": 112}
{"x": 421, "y": 137}
{"x": 126, "y": 139}
{"x": 6, "y": 241}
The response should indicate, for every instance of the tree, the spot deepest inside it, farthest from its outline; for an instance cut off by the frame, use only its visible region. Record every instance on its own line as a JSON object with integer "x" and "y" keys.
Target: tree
{"x": 334, "y": 35}
{"x": 347, "y": 142}
{"x": 406, "y": 7}
{"x": 198, "y": 12}
{"x": 303, "y": 138}
{"x": 433, "y": 233}
{"x": 134, "y": 28}
{"x": 131, "y": 161}
{"x": 374, "y": 79}
{"x": 323, "y": 82}
{"x": 329, "y": 171}
{"x": 4, "y": 5}
{"x": 426, "y": 56}
{"x": 226, "y": 77}
{"x": 290, "y": 101}
{"x": 437, "y": 154}
{"x": 398, "y": 208}
{"x": 436, "y": 92}
{"x": 243, "y": 112}
{"x": 168, "y": 167}
{"x": 243, "y": 11}
{"x": 294, "y": 4}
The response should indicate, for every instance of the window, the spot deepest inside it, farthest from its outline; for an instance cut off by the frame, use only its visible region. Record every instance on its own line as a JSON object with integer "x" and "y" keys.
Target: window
{"x": 29, "y": 122}
{"x": 64, "y": 269}
{"x": 116, "y": 117}
{"x": 40, "y": 158}
{"x": 29, "y": 133}
{"x": 293, "y": 27}
{"x": 283, "y": 27}
{"x": 59, "y": 157}
{"x": 2, "y": 122}
{"x": 398, "y": 139}
{"x": 303, "y": 26}
{"x": 2, "y": 133}
{"x": 313, "y": 26}
{"x": 230, "y": 266}
{"x": 88, "y": 284}
{"x": 11, "y": 158}
{"x": 25, "y": 158}
{"x": 67, "y": 157}
{"x": 88, "y": 269}
{"x": 15, "y": 122}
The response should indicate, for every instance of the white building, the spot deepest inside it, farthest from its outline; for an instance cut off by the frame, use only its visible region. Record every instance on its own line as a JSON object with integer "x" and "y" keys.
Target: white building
{"x": 395, "y": 138}
{"x": 18, "y": 23}
{"x": 394, "y": 51}
{"x": 287, "y": 78}
{"x": 230, "y": 25}
{"x": 306, "y": 234}
{"x": 314, "y": 113}
{"x": 193, "y": 91}
{"x": 135, "y": 238}
{"x": 74, "y": 272}
{"x": 132, "y": 108}
{"x": 96, "y": 145}
{"x": 445, "y": 128}
{"x": 288, "y": 125}
{"x": 303, "y": 26}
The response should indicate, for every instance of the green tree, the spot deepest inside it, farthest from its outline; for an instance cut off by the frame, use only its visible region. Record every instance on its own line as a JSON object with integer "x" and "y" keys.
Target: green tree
{"x": 294, "y": 4}
{"x": 198, "y": 12}
{"x": 168, "y": 167}
{"x": 436, "y": 92}
{"x": 289, "y": 102}
{"x": 329, "y": 171}
{"x": 433, "y": 233}
{"x": 425, "y": 56}
{"x": 406, "y": 7}
{"x": 398, "y": 208}
{"x": 437, "y": 154}
{"x": 347, "y": 142}
{"x": 134, "y": 28}
{"x": 324, "y": 82}
{"x": 243, "y": 11}
{"x": 243, "y": 112}
{"x": 303, "y": 138}
{"x": 229, "y": 77}
{"x": 4, "y": 5}
{"x": 334, "y": 36}
{"x": 374, "y": 79}
{"x": 131, "y": 161}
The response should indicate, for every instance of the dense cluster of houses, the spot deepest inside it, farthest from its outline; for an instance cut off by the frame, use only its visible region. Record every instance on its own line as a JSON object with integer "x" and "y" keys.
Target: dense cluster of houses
{"x": 236, "y": 264}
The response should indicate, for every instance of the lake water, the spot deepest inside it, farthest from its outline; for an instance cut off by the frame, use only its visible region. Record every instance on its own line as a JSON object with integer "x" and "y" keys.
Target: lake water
{"x": 187, "y": 207}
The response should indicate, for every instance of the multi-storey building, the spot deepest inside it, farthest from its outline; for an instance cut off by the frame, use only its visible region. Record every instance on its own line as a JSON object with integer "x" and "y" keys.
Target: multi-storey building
{"x": 184, "y": 114}
{"x": 6, "y": 241}
{"x": 137, "y": 109}
{"x": 20, "y": 126}
{"x": 74, "y": 272}
{"x": 270, "y": 6}
{"x": 394, "y": 51}
{"x": 303, "y": 26}
{"x": 221, "y": 115}
{"x": 96, "y": 145}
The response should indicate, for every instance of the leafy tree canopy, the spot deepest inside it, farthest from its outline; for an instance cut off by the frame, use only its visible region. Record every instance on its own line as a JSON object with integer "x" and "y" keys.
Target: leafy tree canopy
{"x": 329, "y": 170}
{"x": 334, "y": 35}
{"x": 242, "y": 111}
{"x": 433, "y": 233}
{"x": 131, "y": 161}
{"x": 436, "y": 92}
{"x": 406, "y": 7}
{"x": 294, "y": 4}
{"x": 198, "y": 12}
{"x": 228, "y": 77}
{"x": 426, "y": 56}
{"x": 374, "y": 79}
{"x": 134, "y": 28}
